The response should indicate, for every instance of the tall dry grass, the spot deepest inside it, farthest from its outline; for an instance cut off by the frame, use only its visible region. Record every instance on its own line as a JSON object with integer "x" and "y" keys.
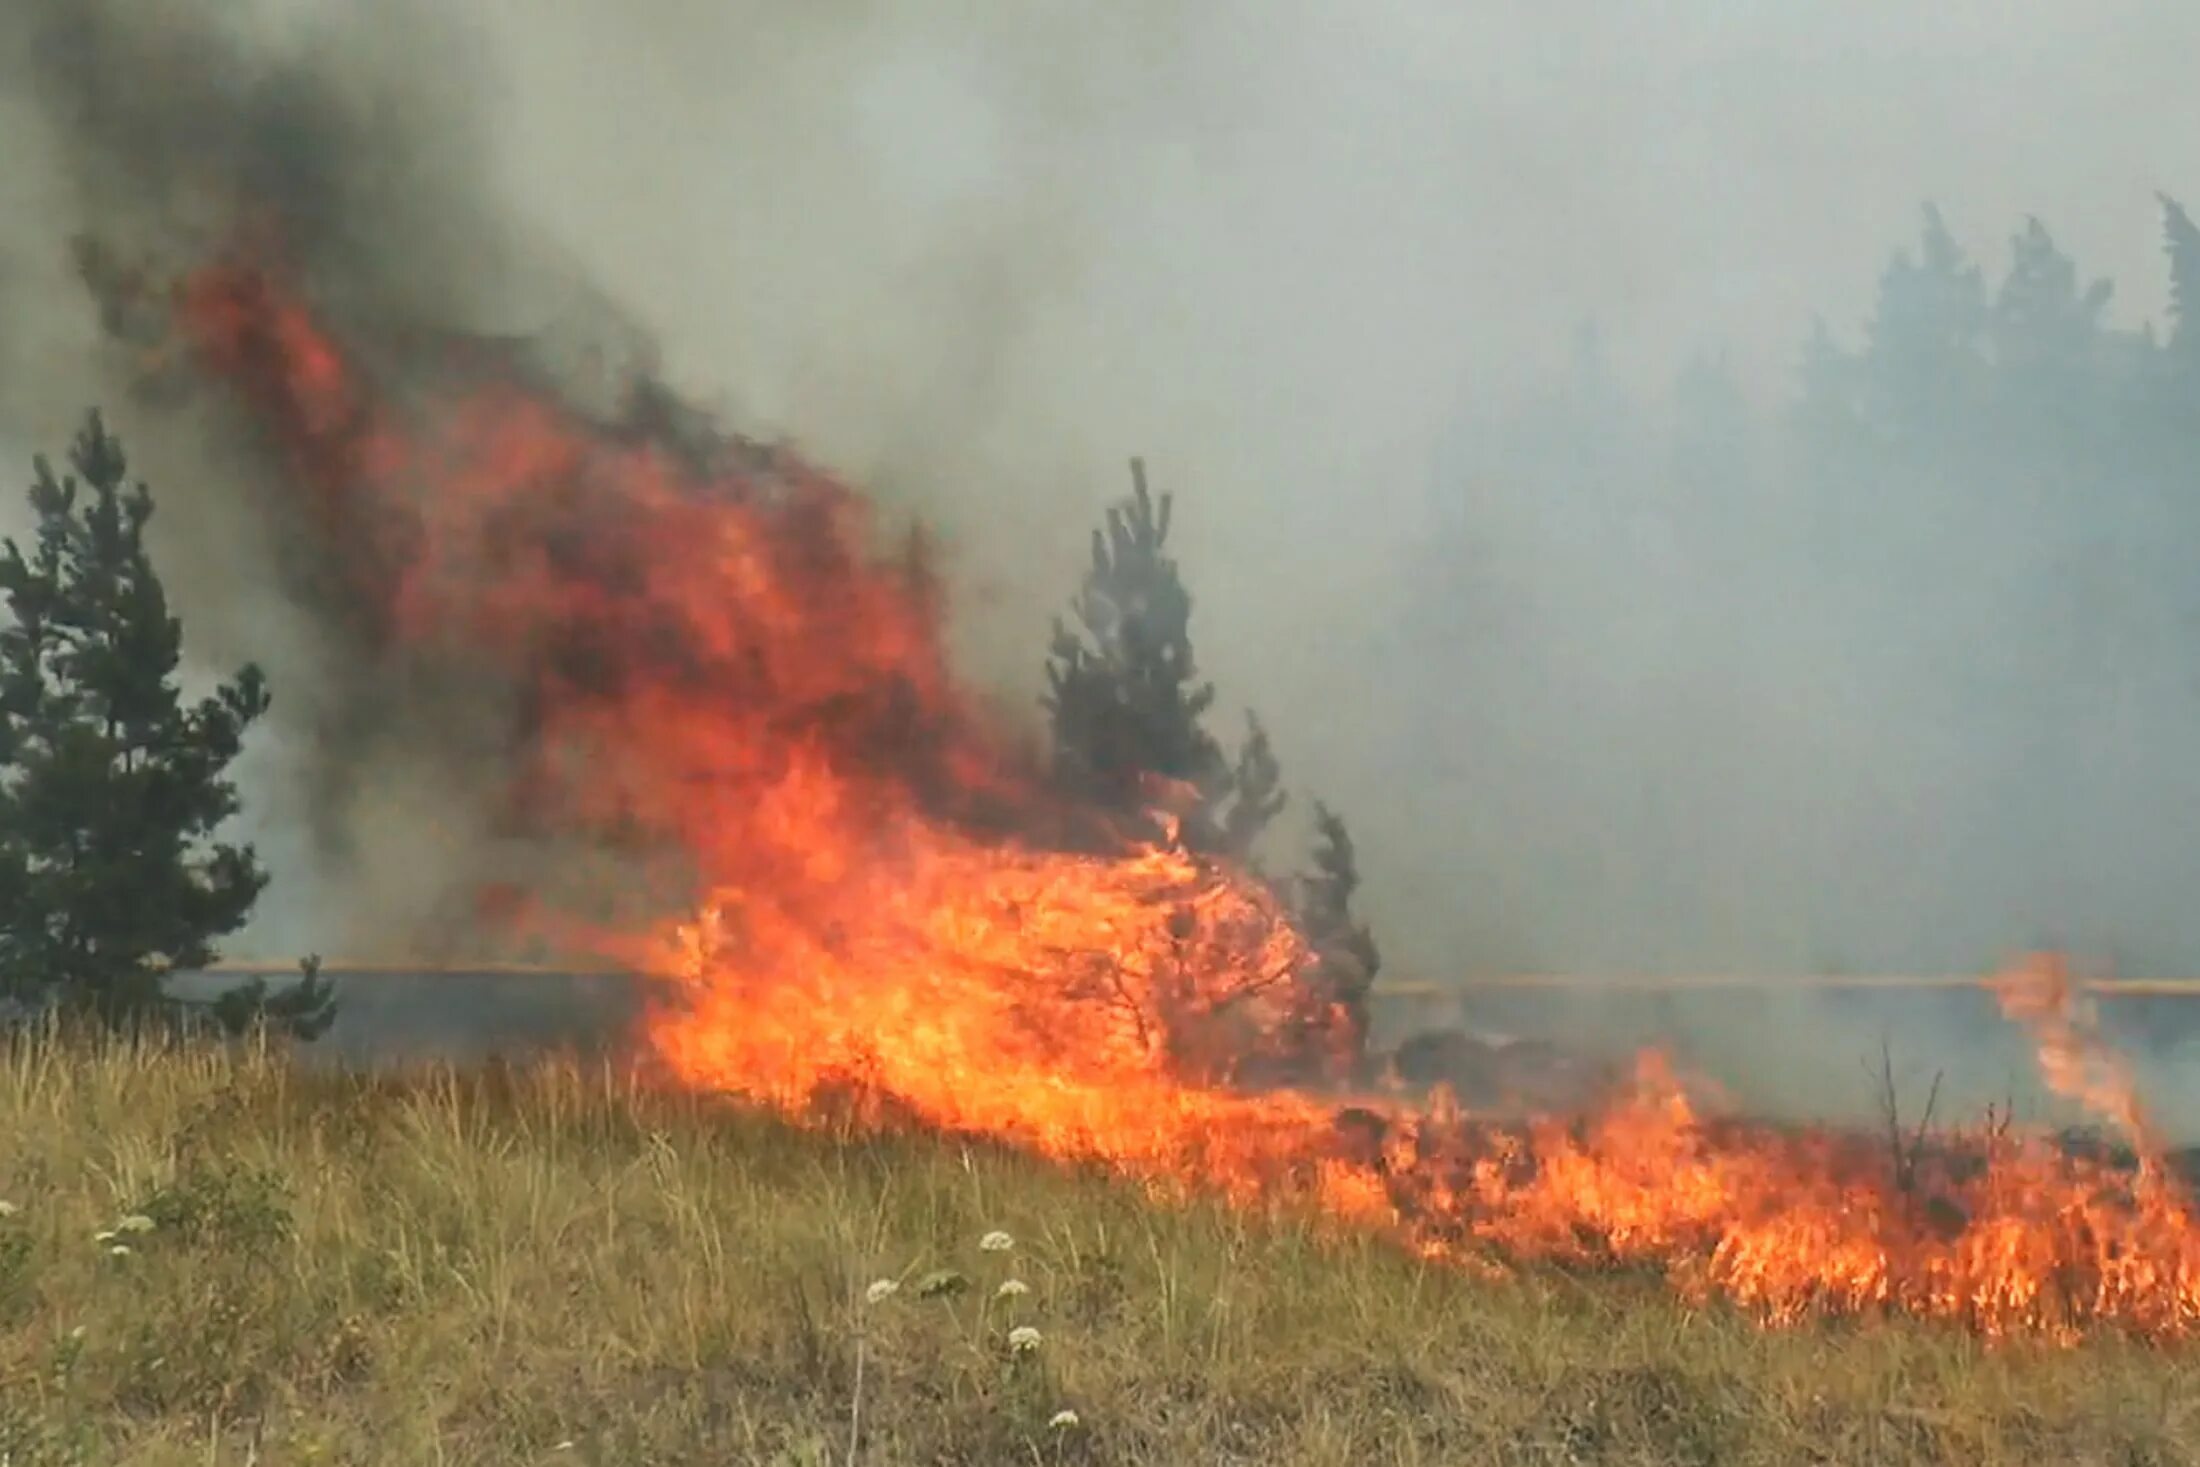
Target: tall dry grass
{"x": 545, "y": 1264}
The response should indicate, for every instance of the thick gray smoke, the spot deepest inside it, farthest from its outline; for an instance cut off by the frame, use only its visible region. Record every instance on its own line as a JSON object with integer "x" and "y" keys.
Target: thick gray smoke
{"x": 1323, "y": 267}
{"x": 361, "y": 145}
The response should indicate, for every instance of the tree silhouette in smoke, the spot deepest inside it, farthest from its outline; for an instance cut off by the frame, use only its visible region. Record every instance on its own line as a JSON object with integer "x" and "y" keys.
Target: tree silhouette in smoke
{"x": 1975, "y": 506}
{"x": 2181, "y": 242}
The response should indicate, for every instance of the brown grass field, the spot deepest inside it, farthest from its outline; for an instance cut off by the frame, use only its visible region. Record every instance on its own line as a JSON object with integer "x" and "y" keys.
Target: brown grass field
{"x": 545, "y": 1264}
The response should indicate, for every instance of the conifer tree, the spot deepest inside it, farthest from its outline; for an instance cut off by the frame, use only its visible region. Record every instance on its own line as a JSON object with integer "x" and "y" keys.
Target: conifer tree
{"x": 1350, "y": 958}
{"x": 2181, "y": 241}
{"x": 1255, "y": 795}
{"x": 2041, "y": 321}
{"x": 111, "y": 787}
{"x": 2055, "y": 398}
{"x": 1926, "y": 358}
{"x": 1127, "y": 707}
{"x": 1125, "y": 700}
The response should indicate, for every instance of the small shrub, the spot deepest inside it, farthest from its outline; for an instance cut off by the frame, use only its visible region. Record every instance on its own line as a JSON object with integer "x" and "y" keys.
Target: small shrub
{"x": 223, "y": 1204}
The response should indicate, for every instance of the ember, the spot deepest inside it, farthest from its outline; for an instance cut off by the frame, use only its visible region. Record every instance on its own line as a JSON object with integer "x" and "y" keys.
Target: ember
{"x": 897, "y": 925}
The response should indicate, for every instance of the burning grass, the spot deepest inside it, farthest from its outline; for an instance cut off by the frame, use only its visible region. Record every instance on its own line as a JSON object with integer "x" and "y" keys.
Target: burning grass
{"x": 709, "y": 660}
{"x": 481, "y": 1267}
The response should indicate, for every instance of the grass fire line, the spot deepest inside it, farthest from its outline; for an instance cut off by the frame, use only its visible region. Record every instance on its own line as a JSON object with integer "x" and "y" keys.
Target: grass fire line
{"x": 902, "y": 925}
{"x": 210, "y": 1254}
{"x": 1401, "y": 989}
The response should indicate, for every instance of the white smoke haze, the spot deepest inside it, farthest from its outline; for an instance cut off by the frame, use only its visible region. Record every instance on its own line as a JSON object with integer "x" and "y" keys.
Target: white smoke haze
{"x": 1317, "y": 264}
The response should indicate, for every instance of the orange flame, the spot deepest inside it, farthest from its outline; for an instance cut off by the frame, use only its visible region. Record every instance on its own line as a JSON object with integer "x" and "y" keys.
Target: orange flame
{"x": 898, "y": 926}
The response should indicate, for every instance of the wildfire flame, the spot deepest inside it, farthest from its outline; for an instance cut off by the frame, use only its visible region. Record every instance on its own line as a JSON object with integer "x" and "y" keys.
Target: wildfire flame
{"x": 897, "y": 924}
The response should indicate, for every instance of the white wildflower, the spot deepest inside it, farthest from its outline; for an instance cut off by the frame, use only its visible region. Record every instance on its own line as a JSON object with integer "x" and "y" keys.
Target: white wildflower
{"x": 881, "y": 1290}
{"x": 1012, "y": 1289}
{"x": 996, "y": 1242}
{"x": 1023, "y": 1339}
{"x": 7, "y": 1208}
{"x": 119, "y": 1250}
{"x": 1062, "y": 1420}
{"x": 104, "y": 1235}
{"x": 136, "y": 1222}
{"x": 564, "y": 1446}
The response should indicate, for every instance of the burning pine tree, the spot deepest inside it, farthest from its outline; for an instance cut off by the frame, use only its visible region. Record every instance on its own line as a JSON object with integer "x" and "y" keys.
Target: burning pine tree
{"x": 1127, "y": 710}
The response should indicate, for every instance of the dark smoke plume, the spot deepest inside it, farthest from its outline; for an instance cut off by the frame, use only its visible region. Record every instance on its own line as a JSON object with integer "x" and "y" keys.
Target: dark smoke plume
{"x": 352, "y": 147}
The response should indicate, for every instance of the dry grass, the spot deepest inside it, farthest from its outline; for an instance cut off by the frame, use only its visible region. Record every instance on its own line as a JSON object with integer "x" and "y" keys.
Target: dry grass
{"x": 540, "y": 1265}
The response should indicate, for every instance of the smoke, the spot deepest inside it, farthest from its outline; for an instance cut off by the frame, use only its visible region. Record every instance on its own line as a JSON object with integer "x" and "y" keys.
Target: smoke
{"x": 1313, "y": 267}
{"x": 360, "y": 145}
{"x": 1316, "y": 270}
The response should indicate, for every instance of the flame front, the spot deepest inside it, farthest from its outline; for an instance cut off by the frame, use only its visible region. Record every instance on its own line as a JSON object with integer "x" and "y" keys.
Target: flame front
{"x": 899, "y": 925}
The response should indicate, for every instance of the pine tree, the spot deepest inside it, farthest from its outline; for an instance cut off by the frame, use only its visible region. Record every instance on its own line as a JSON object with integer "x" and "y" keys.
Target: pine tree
{"x": 1127, "y": 708}
{"x": 2053, "y": 372}
{"x": 1350, "y": 958}
{"x": 1125, "y": 701}
{"x": 1255, "y": 795}
{"x": 111, "y": 788}
{"x": 2041, "y": 322}
{"x": 1926, "y": 358}
{"x": 2181, "y": 241}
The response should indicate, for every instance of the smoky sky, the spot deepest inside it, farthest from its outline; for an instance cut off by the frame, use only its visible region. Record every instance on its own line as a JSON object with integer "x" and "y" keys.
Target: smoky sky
{"x": 1315, "y": 266}
{"x": 1310, "y": 261}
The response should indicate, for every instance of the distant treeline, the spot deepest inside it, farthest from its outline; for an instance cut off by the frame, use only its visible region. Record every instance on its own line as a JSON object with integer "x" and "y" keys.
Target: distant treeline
{"x": 1896, "y": 665}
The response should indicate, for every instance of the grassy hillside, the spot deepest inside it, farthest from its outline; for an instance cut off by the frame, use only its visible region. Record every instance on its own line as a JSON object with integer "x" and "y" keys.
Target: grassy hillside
{"x": 210, "y": 1258}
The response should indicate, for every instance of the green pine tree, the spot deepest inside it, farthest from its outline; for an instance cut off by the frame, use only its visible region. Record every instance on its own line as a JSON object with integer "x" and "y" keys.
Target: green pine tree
{"x": 111, "y": 787}
{"x": 1127, "y": 707}
{"x": 1125, "y": 701}
{"x": 1350, "y": 958}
